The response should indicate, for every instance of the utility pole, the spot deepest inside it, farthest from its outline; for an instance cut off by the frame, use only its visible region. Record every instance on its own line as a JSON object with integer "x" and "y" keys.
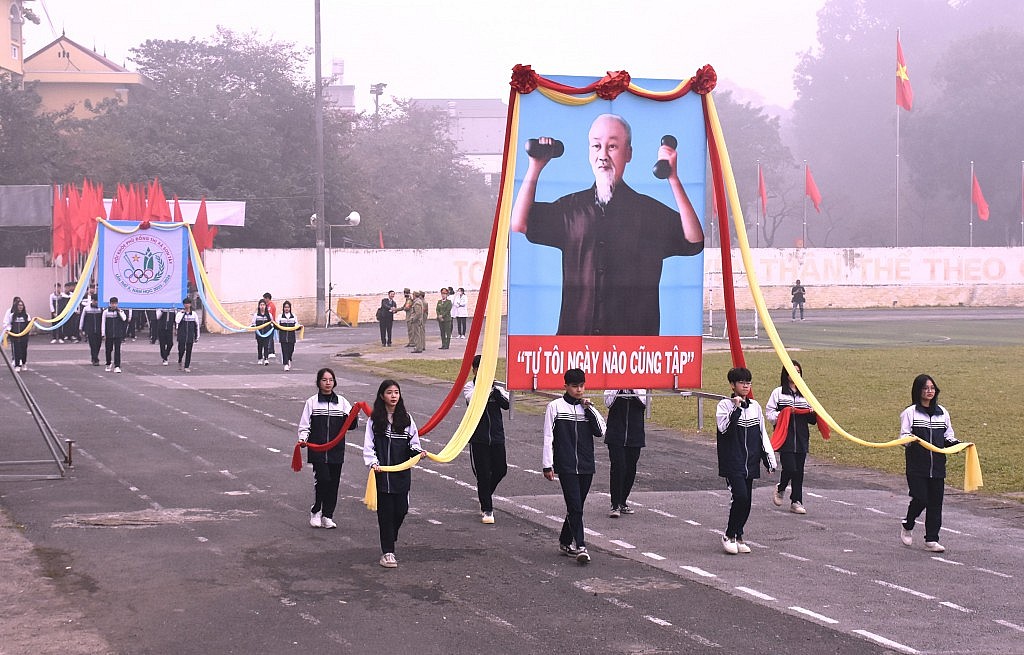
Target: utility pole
{"x": 321, "y": 217}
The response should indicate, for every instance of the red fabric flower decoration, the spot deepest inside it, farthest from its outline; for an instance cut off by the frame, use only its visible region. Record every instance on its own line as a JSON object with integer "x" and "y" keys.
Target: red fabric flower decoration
{"x": 524, "y": 79}
{"x": 705, "y": 80}
{"x": 612, "y": 84}
{"x": 144, "y": 225}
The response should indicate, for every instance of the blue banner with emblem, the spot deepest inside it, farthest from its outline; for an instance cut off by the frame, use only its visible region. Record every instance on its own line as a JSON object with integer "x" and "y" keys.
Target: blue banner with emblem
{"x": 143, "y": 265}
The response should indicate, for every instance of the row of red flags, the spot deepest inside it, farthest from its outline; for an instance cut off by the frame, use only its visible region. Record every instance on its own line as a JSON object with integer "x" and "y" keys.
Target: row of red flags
{"x": 75, "y": 211}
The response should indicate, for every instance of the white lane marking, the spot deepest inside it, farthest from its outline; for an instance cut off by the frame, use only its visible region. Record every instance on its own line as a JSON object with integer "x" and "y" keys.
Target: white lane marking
{"x": 655, "y": 556}
{"x": 1014, "y": 626}
{"x": 952, "y": 531}
{"x": 226, "y": 473}
{"x": 699, "y": 571}
{"x": 1001, "y": 575}
{"x": 959, "y": 608}
{"x": 691, "y": 522}
{"x": 755, "y": 593}
{"x": 622, "y": 544}
{"x": 841, "y": 502}
{"x": 885, "y": 642}
{"x": 839, "y": 570}
{"x": 236, "y": 493}
{"x": 792, "y": 556}
{"x": 947, "y": 561}
{"x": 876, "y": 511}
{"x": 592, "y": 533}
{"x": 530, "y": 509}
{"x": 815, "y": 615}
{"x": 273, "y": 450}
{"x": 434, "y": 522}
{"x": 814, "y": 495}
{"x": 919, "y": 594}
{"x": 556, "y": 518}
{"x": 618, "y": 603}
{"x": 661, "y": 513}
{"x": 654, "y": 619}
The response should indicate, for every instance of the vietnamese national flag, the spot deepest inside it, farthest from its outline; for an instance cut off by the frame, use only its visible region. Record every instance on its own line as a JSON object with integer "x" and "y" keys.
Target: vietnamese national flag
{"x": 904, "y": 94}
{"x": 811, "y": 189}
{"x": 978, "y": 198}
{"x": 761, "y": 191}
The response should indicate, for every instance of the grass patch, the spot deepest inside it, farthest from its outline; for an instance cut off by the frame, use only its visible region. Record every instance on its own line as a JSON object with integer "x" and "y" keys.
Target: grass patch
{"x": 865, "y": 390}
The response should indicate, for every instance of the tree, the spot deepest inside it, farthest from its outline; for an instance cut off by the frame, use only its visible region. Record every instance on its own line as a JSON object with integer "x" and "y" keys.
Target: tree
{"x": 753, "y": 136}
{"x": 31, "y": 148}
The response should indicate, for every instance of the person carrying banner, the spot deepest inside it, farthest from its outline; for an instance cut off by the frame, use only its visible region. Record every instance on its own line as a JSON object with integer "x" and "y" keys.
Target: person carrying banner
{"x": 15, "y": 321}
{"x": 613, "y": 239}
{"x": 91, "y": 325}
{"x": 323, "y": 416}
{"x": 287, "y": 337}
{"x": 792, "y": 416}
{"x": 115, "y": 327}
{"x": 165, "y": 332}
{"x": 264, "y": 333}
{"x": 487, "y": 445}
{"x": 186, "y": 323}
{"x": 625, "y": 438}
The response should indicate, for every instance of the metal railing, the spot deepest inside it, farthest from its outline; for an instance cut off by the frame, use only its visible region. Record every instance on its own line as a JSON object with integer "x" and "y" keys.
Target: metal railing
{"x": 60, "y": 452}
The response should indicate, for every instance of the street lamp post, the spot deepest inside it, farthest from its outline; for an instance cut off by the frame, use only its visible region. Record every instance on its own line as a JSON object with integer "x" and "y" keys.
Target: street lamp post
{"x": 321, "y": 304}
{"x": 377, "y": 90}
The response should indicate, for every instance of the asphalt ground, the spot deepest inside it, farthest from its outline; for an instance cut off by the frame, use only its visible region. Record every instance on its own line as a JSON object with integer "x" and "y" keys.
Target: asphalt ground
{"x": 181, "y": 529}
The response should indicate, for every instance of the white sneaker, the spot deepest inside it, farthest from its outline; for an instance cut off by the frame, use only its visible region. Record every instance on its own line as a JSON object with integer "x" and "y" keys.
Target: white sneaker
{"x": 777, "y": 497}
{"x": 17, "y": 369}
{"x": 328, "y": 523}
{"x": 259, "y": 362}
{"x": 107, "y": 368}
{"x": 906, "y": 536}
{"x": 165, "y": 362}
{"x": 388, "y": 561}
{"x": 266, "y": 362}
{"x": 797, "y": 507}
{"x": 934, "y": 546}
{"x": 487, "y": 518}
{"x": 315, "y": 520}
{"x": 117, "y": 369}
{"x": 287, "y": 367}
{"x": 730, "y": 545}
{"x": 741, "y": 547}
{"x": 582, "y": 556}
{"x": 53, "y": 341}
{"x": 24, "y": 367}
{"x": 188, "y": 370}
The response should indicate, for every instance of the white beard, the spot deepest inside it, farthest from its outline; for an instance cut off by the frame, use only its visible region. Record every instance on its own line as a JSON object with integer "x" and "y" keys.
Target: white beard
{"x": 605, "y": 181}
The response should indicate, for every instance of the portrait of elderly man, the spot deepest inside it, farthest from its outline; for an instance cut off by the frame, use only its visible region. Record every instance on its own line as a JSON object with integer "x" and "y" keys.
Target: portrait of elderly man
{"x": 613, "y": 239}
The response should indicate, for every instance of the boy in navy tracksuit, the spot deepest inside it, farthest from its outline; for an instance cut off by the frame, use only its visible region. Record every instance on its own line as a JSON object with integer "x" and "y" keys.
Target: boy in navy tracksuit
{"x": 91, "y": 324}
{"x": 624, "y": 438}
{"x": 114, "y": 327}
{"x": 165, "y": 332}
{"x": 487, "y": 445}
{"x": 743, "y": 444}
{"x": 187, "y": 324}
{"x": 571, "y": 424}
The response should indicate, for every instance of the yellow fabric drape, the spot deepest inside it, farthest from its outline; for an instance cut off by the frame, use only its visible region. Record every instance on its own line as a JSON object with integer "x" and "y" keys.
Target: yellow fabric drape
{"x": 972, "y": 464}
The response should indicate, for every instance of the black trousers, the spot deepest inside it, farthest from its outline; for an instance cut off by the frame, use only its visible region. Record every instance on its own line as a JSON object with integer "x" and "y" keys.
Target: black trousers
{"x": 385, "y": 331}
{"x": 460, "y": 321}
{"x": 793, "y": 472}
{"x": 114, "y": 345}
{"x": 622, "y": 469}
{"x": 742, "y": 489}
{"x": 19, "y": 350}
{"x": 287, "y": 350}
{"x": 166, "y": 343}
{"x": 489, "y": 466}
{"x": 263, "y": 347}
{"x": 925, "y": 496}
{"x": 391, "y": 511}
{"x": 94, "y": 348}
{"x": 185, "y": 350}
{"x": 575, "y": 487}
{"x": 326, "y": 478}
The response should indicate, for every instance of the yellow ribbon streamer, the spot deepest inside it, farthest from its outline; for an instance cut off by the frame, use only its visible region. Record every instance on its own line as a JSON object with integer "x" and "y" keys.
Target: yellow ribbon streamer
{"x": 972, "y": 464}
{"x": 565, "y": 98}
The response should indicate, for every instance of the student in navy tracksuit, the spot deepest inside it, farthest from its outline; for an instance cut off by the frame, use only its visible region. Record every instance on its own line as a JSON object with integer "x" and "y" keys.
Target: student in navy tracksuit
{"x": 323, "y": 416}
{"x": 115, "y": 326}
{"x": 91, "y": 324}
{"x": 743, "y": 444}
{"x": 165, "y": 332}
{"x": 265, "y": 335}
{"x": 287, "y": 337}
{"x": 793, "y": 451}
{"x": 391, "y": 438}
{"x": 571, "y": 424}
{"x": 624, "y": 438}
{"x": 926, "y": 470}
{"x": 186, "y": 322}
{"x": 487, "y": 445}
{"x": 15, "y": 321}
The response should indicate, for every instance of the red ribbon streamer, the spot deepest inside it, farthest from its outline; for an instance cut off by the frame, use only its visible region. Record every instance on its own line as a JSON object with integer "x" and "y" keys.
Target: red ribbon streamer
{"x": 338, "y": 438}
{"x": 782, "y": 426}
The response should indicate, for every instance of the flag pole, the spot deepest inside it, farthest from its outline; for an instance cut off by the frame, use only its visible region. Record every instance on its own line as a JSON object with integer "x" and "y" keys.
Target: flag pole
{"x": 971, "y": 237}
{"x": 897, "y": 159}
{"x": 1022, "y": 203}
{"x": 804, "y": 242}
{"x": 757, "y": 206}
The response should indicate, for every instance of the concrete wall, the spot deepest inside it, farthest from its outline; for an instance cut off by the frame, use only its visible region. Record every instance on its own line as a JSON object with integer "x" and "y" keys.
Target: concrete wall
{"x": 834, "y": 277}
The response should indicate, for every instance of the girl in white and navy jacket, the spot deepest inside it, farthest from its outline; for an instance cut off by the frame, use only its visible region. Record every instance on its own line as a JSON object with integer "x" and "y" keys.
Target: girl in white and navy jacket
{"x": 15, "y": 321}
{"x": 926, "y": 469}
{"x": 287, "y": 337}
{"x": 323, "y": 416}
{"x": 265, "y": 335}
{"x": 793, "y": 451}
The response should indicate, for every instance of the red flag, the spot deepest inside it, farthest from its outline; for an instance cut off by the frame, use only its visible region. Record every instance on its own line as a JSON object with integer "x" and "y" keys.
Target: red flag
{"x": 204, "y": 234}
{"x": 811, "y": 189}
{"x": 156, "y": 207}
{"x": 904, "y": 94}
{"x": 380, "y": 233}
{"x": 177, "y": 218}
{"x": 60, "y": 226}
{"x": 761, "y": 191}
{"x": 979, "y": 199}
